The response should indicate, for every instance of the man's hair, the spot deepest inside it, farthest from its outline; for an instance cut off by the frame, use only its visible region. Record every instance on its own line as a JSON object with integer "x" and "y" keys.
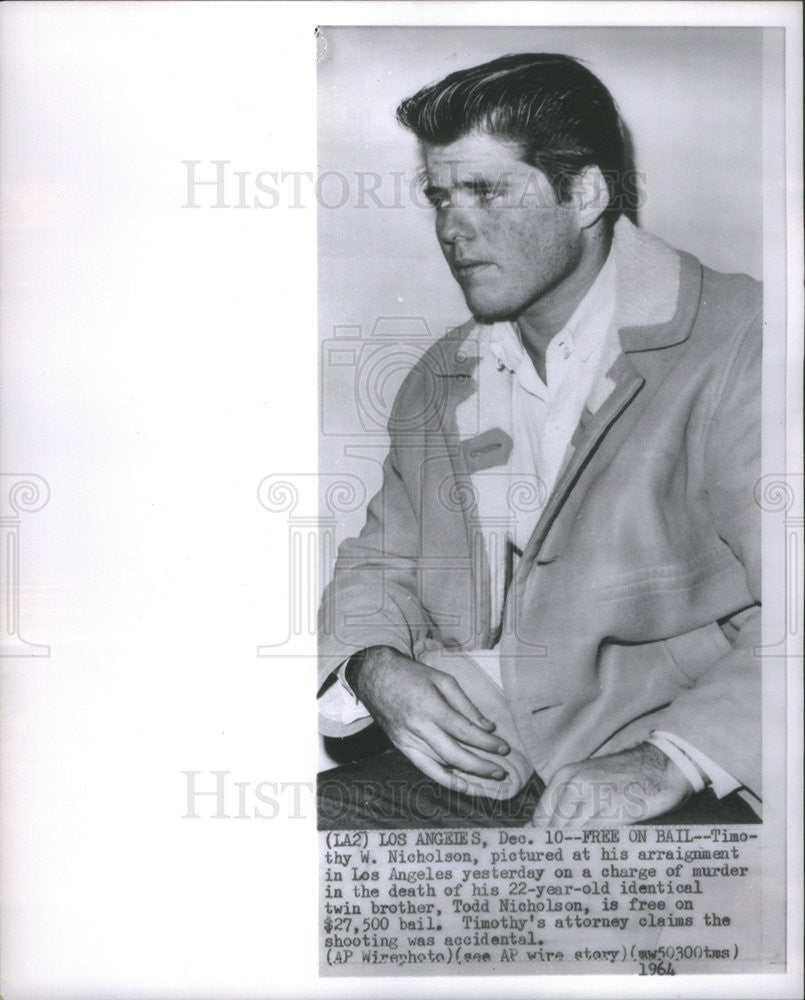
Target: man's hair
{"x": 558, "y": 114}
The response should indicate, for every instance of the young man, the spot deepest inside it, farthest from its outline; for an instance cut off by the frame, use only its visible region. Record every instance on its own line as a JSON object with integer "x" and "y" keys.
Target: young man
{"x": 553, "y": 607}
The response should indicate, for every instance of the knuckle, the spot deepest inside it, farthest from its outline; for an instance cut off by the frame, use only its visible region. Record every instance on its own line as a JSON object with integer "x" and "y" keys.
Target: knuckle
{"x": 446, "y": 682}
{"x": 461, "y": 728}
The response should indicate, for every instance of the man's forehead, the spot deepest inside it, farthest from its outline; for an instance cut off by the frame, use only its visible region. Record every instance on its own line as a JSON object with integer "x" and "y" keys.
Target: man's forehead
{"x": 471, "y": 156}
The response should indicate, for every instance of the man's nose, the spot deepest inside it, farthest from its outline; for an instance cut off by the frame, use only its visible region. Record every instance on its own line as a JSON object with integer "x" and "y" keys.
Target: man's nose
{"x": 454, "y": 222}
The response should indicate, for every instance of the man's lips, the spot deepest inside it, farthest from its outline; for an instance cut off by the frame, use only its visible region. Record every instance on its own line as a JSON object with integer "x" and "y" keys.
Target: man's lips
{"x": 468, "y": 267}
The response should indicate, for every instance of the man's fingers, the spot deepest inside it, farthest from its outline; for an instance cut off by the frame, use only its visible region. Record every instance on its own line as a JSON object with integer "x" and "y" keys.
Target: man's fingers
{"x": 455, "y": 755}
{"x": 571, "y": 812}
{"x": 454, "y": 695}
{"x": 609, "y": 791}
{"x": 561, "y": 805}
{"x": 459, "y": 725}
{"x": 465, "y": 732}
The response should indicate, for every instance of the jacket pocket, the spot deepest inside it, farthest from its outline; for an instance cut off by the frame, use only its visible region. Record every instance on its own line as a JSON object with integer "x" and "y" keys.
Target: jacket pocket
{"x": 693, "y": 653}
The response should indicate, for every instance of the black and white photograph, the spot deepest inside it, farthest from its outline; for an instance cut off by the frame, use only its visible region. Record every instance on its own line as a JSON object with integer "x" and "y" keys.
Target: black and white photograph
{"x": 541, "y": 255}
{"x": 582, "y": 548}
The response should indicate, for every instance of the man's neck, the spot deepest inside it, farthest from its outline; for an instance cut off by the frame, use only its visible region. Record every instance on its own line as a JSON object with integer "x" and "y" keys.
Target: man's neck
{"x": 540, "y": 323}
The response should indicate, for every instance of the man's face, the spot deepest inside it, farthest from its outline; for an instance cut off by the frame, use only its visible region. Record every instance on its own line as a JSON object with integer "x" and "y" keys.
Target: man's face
{"x": 506, "y": 237}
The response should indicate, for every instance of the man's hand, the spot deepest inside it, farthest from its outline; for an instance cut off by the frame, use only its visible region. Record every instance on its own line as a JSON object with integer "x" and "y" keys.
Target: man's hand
{"x": 426, "y": 715}
{"x": 627, "y": 787}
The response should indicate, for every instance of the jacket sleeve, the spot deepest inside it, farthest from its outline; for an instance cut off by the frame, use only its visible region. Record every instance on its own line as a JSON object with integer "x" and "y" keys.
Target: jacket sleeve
{"x": 721, "y": 715}
{"x": 373, "y": 598}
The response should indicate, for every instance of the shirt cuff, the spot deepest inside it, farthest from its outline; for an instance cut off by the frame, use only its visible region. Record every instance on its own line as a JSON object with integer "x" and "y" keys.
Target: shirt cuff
{"x": 721, "y": 781}
{"x": 338, "y": 703}
{"x": 683, "y": 762}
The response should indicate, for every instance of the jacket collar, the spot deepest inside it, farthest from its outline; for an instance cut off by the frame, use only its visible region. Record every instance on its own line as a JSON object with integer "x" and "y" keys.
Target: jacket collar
{"x": 657, "y": 293}
{"x": 658, "y": 290}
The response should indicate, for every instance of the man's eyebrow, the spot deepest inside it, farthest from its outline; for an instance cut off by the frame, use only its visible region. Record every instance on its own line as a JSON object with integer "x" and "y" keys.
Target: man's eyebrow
{"x": 476, "y": 183}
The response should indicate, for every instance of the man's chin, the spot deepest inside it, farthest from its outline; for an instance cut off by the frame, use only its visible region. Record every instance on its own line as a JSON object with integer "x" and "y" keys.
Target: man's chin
{"x": 489, "y": 314}
{"x": 486, "y": 310}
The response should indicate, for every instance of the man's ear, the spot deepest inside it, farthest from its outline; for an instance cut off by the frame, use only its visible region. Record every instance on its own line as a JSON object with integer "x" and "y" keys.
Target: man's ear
{"x": 590, "y": 195}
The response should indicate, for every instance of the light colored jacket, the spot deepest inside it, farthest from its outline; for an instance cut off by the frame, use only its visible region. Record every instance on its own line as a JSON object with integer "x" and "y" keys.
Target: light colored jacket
{"x": 636, "y": 603}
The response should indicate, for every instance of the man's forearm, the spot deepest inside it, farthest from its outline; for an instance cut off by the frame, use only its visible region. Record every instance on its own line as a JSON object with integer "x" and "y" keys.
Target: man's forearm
{"x": 359, "y": 662}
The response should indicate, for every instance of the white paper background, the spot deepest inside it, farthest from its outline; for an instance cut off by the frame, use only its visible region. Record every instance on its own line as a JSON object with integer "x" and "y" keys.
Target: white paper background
{"x": 158, "y": 362}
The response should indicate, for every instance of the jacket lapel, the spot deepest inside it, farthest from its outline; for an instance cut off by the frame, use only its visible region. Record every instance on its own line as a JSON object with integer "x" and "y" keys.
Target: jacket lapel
{"x": 460, "y": 565}
{"x": 592, "y": 428}
{"x": 645, "y": 323}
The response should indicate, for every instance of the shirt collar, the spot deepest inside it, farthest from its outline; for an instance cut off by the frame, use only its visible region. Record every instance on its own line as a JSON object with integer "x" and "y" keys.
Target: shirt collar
{"x": 586, "y": 328}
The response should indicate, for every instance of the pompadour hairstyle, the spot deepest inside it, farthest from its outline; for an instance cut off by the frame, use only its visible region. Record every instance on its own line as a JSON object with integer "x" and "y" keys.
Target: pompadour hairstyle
{"x": 559, "y": 115}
